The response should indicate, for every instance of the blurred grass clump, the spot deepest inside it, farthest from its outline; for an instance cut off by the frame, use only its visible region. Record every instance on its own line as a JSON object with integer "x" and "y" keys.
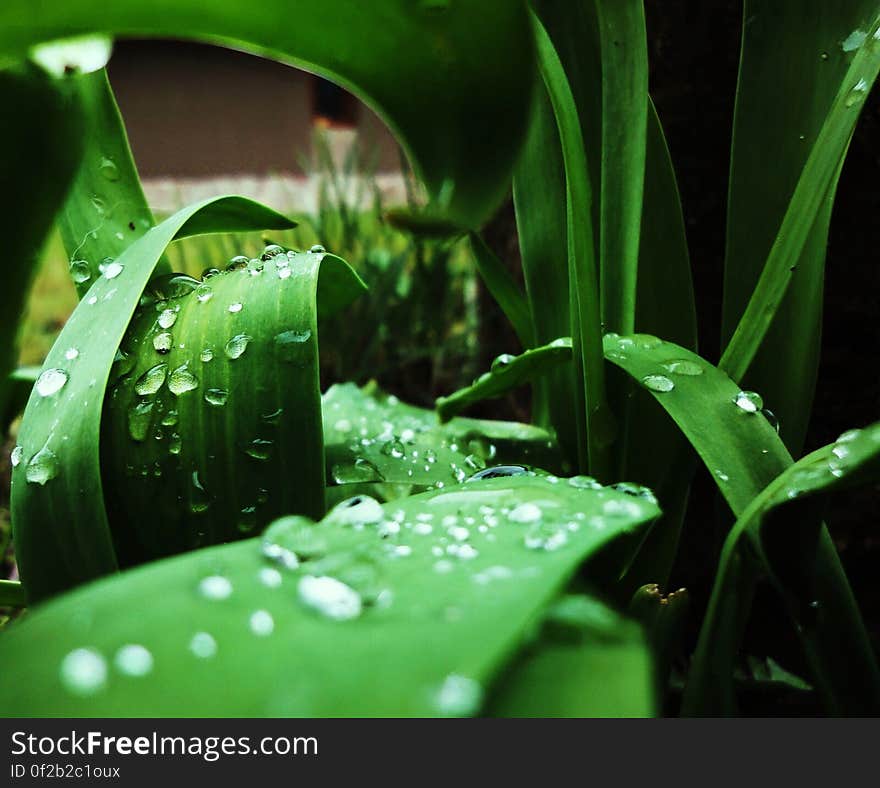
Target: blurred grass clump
{"x": 417, "y": 330}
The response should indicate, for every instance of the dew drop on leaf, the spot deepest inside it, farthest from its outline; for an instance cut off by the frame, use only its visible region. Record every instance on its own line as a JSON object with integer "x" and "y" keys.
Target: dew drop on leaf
{"x": 80, "y": 271}
{"x": 50, "y": 382}
{"x": 261, "y": 623}
{"x": 457, "y": 696}
{"x": 525, "y": 513}
{"x": 659, "y": 383}
{"x": 43, "y": 467}
{"x": 684, "y": 367}
{"x": 182, "y": 380}
{"x": 330, "y": 597}
{"x": 151, "y": 381}
{"x": 317, "y": 249}
{"x": 236, "y": 346}
{"x": 203, "y": 645}
{"x": 15, "y": 456}
{"x": 133, "y": 660}
{"x": 236, "y": 307}
{"x": 167, "y": 318}
{"x": 111, "y": 270}
{"x": 162, "y": 343}
{"x": 215, "y": 587}
{"x": 749, "y": 401}
{"x": 217, "y": 397}
{"x": 84, "y": 672}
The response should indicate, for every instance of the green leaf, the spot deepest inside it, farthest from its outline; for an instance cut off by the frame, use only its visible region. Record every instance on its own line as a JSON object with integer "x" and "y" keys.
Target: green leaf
{"x": 374, "y": 437}
{"x": 588, "y": 662}
{"x": 357, "y": 616}
{"x": 413, "y": 62}
{"x": 744, "y": 455}
{"x": 39, "y": 162}
{"x": 594, "y": 436}
{"x": 539, "y": 201}
{"x": 779, "y": 535}
{"x": 106, "y": 209}
{"x": 61, "y": 531}
{"x": 214, "y": 407}
{"x": 783, "y": 177}
{"x": 504, "y": 290}
{"x": 507, "y": 373}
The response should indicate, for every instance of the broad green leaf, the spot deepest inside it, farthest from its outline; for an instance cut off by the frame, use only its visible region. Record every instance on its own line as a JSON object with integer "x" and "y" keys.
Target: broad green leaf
{"x": 588, "y": 662}
{"x": 62, "y": 536}
{"x": 413, "y": 62}
{"x": 594, "y": 435}
{"x": 806, "y": 71}
{"x": 405, "y": 610}
{"x": 212, "y": 422}
{"x": 744, "y": 454}
{"x": 507, "y": 373}
{"x": 539, "y": 201}
{"x": 504, "y": 290}
{"x": 105, "y": 210}
{"x": 374, "y": 437}
{"x": 38, "y": 163}
{"x": 779, "y": 535}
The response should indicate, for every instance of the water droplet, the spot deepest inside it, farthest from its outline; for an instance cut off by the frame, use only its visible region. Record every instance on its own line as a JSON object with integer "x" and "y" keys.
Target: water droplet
{"x": 204, "y": 293}
{"x": 206, "y": 355}
{"x": 659, "y": 383}
{"x": 215, "y": 587}
{"x": 236, "y": 346}
{"x": 498, "y": 472}
{"x": 182, "y": 380}
{"x": 359, "y": 510}
{"x": 139, "y": 420}
{"x": 749, "y": 401}
{"x": 111, "y": 270}
{"x": 43, "y": 467}
{"x": 318, "y": 249}
{"x": 457, "y": 696}
{"x": 298, "y": 535}
{"x": 50, "y": 382}
{"x": 546, "y": 536}
{"x": 167, "y": 318}
{"x": 80, "y": 271}
{"x": 722, "y": 476}
{"x": 216, "y": 397}
{"x": 269, "y": 577}
{"x": 854, "y": 41}
{"x": 71, "y": 354}
{"x": 236, "y": 263}
{"x": 584, "y": 483}
{"x": 162, "y": 343}
{"x": 771, "y": 418}
{"x": 175, "y": 444}
{"x": 15, "y": 456}
{"x": 259, "y": 449}
{"x": 394, "y": 448}
{"x": 525, "y": 513}
{"x": 199, "y": 500}
{"x": 236, "y": 307}
{"x": 272, "y": 250}
{"x": 133, "y": 660}
{"x": 330, "y": 597}
{"x": 109, "y": 169}
{"x": 684, "y": 367}
{"x": 203, "y": 645}
{"x": 361, "y": 470}
{"x": 502, "y": 362}
{"x": 261, "y": 623}
{"x": 84, "y": 671}
{"x": 289, "y": 343}
{"x": 151, "y": 381}
{"x": 857, "y": 94}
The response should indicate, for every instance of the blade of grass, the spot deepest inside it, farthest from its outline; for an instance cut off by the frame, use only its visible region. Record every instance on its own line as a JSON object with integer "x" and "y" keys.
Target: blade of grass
{"x": 106, "y": 209}
{"x": 413, "y": 63}
{"x": 801, "y": 221}
{"x": 594, "y": 429}
{"x": 504, "y": 290}
{"x": 744, "y": 454}
{"x": 507, "y": 373}
{"x": 778, "y": 534}
{"x": 60, "y": 525}
{"x": 260, "y": 610}
{"x": 38, "y": 163}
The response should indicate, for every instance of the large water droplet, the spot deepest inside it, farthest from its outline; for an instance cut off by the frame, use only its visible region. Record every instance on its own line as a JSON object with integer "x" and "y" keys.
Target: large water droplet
{"x": 317, "y": 249}
{"x": 216, "y": 397}
{"x": 167, "y": 318}
{"x": 151, "y": 381}
{"x": 854, "y": 41}
{"x": 203, "y": 645}
{"x": 215, "y": 587}
{"x": 50, "y": 382}
{"x": 80, "y": 271}
{"x": 684, "y": 367}
{"x": 502, "y": 362}
{"x": 857, "y": 94}
{"x": 133, "y": 660}
{"x": 236, "y": 346}
{"x": 288, "y": 343}
{"x": 111, "y": 270}
{"x": 139, "y": 420}
{"x": 749, "y": 401}
{"x": 182, "y": 380}
{"x": 15, "y": 456}
{"x": 659, "y": 383}
{"x": 109, "y": 169}
{"x": 84, "y": 672}
{"x": 361, "y": 470}
{"x": 162, "y": 343}
{"x": 43, "y": 467}
{"x": 204, "y": 293}
{"x": 297, "y": 535}
{"x": 525, "y": 513}
{"x": 330, "y": 597}
{"x": 206, "y": 355}
{"x": 357, "y": 511}
{"x": 499, "y": 472}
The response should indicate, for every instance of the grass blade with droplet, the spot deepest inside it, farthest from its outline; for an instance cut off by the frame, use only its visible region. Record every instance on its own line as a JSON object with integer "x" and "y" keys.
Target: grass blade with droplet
{"x": 106, "y": 209}
{"x": 356, "y": 616}
{"x": 780, "y": 530}
{"x": 60, "y": 524}
{"x": 507, "y": 373}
